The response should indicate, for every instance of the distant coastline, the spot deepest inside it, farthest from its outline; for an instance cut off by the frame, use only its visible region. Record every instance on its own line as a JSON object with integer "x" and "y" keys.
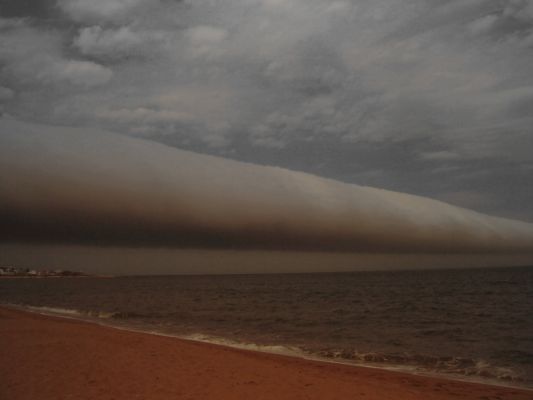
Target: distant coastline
{"x": 17, "y": 272}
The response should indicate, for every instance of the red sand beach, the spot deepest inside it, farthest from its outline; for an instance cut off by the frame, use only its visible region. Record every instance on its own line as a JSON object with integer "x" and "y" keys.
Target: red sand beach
{"x": 43, "y": 357}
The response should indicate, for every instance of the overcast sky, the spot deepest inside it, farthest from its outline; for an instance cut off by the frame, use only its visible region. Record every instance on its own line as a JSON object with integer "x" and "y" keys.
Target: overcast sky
{"x": 429, "y": 97}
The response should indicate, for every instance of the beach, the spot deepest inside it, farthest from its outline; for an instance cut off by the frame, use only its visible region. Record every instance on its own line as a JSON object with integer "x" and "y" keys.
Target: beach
{"x": 46, "y": 357}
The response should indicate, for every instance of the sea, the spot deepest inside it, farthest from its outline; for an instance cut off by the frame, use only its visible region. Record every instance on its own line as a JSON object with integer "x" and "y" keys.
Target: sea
{"x": 470, "y": 324}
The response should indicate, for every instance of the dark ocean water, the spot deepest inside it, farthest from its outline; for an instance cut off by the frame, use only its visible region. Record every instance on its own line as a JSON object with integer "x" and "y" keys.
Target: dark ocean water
{"x": 472, "y": 323}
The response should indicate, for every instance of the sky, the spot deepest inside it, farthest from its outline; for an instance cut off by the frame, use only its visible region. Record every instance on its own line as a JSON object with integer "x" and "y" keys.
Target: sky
{"x": 82, "y": 186}
{"x": 426, "y": 97}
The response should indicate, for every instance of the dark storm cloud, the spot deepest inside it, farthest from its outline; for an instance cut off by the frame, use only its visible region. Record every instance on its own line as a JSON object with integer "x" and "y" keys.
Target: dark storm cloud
{"x": 68, "y": 185}
{"x": 425, "y": 96}
{"x": 27, "y": 8}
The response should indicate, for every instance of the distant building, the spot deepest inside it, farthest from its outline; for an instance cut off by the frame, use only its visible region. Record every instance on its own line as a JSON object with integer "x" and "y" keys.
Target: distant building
{"x": 14, "y": 271}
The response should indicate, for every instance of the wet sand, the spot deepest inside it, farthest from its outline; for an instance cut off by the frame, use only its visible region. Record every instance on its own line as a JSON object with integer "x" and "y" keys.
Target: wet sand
{"x": 44, "y": 357}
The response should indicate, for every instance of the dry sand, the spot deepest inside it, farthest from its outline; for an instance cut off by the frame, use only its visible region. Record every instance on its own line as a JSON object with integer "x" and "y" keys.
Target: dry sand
{"x": 43, "y": 357}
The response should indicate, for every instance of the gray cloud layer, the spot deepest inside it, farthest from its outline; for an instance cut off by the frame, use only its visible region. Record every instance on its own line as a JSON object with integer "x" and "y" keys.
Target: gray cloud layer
{"x": 432, "y": 97}
{"x": 72, "y": 185}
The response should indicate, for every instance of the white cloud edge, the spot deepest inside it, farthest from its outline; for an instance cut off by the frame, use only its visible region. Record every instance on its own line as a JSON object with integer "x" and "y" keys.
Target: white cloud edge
{"x": 148, "y": 181}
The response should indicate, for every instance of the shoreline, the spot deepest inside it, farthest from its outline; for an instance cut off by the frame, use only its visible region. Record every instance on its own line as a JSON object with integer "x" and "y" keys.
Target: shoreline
{"x": 75, "y": 315}
{"x": 74, "y": 347}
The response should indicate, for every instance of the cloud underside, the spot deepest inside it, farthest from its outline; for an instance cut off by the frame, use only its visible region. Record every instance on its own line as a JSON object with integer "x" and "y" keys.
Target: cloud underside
{"x": 71, "y": 185}
{"x": 425, "y": 96}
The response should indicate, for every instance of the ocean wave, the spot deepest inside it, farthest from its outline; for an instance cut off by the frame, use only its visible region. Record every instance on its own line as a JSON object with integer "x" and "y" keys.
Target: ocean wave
{"x": 100, "y": 314}
{"x": 449, "y": 365}
{"x": 53, "y": 310}
{"x": 273, "y": 349}
{"x": 65, "y": 312}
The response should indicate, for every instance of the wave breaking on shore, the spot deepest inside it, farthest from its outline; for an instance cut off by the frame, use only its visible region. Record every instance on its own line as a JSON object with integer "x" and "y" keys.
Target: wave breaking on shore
{"x": 450, "y": 367}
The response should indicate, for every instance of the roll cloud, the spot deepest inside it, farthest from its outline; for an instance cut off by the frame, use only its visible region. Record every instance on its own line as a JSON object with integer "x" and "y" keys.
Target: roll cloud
{"x": 74, "y": 185}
